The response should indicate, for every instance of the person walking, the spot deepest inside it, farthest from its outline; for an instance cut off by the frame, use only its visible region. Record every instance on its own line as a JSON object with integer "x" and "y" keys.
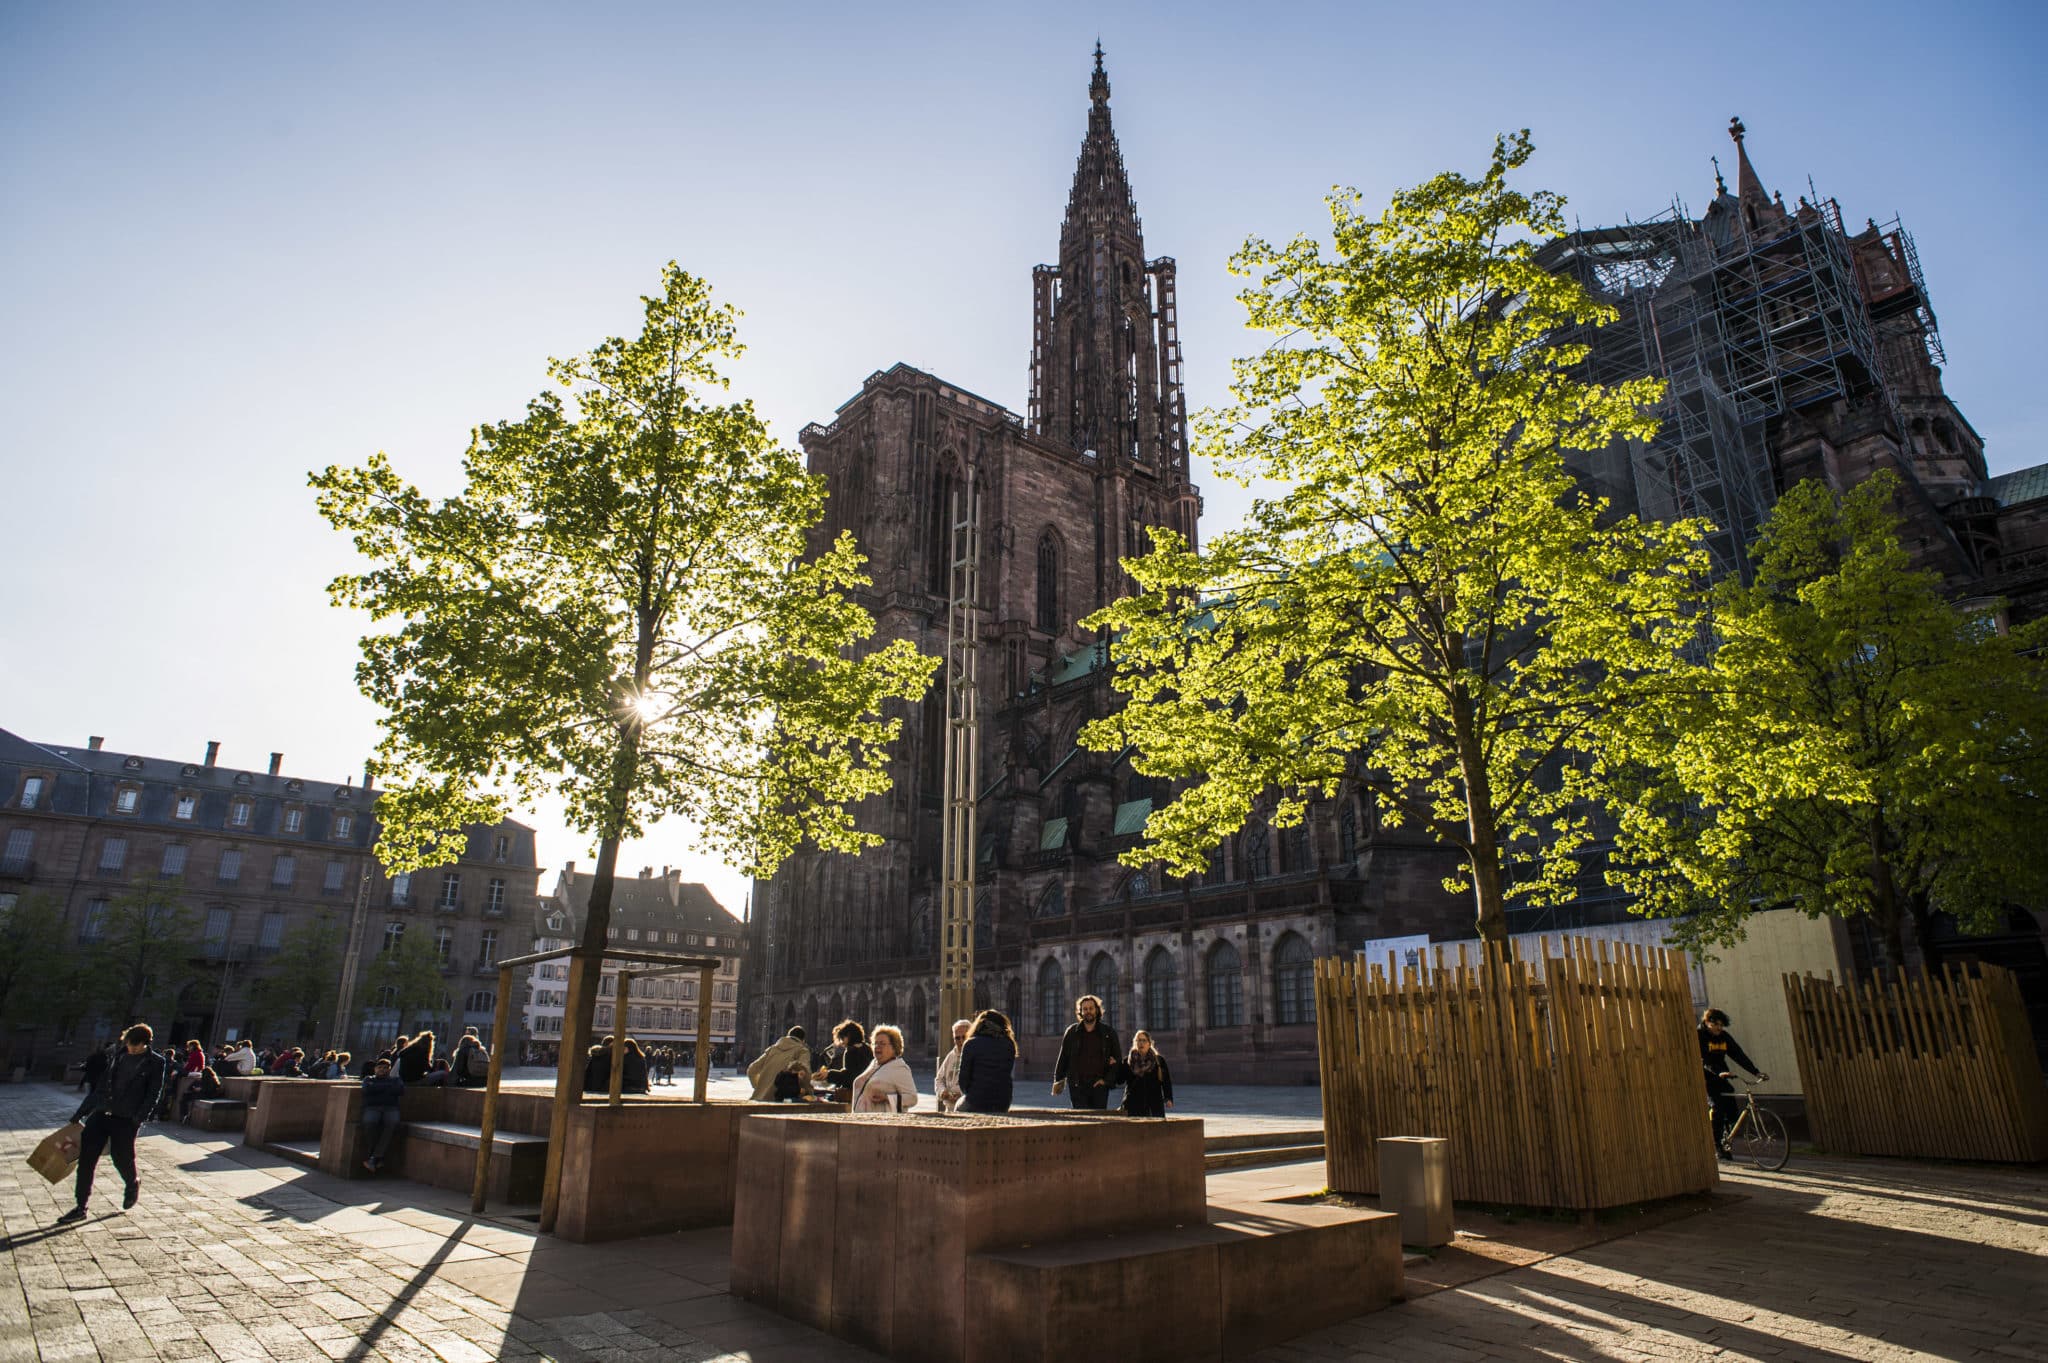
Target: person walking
{"x": 126, "y": 1096}
{"x": 776, "y": 1060}
{"x": 1148, "y": 1083}
{"x": 1717, "y": 1047}
{"x": 886, "y": 1085}
{"x": 986, "y": 1064}
{"x": 383, "y": 1097}
{"x": 1087, "y": 1067}
{"x": 947, "y": 1084}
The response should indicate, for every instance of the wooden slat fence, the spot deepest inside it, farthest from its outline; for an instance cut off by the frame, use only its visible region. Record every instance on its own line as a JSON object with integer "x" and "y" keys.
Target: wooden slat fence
{"x": 1937, "y": 1068}
{"x": 1576, "y": 1087}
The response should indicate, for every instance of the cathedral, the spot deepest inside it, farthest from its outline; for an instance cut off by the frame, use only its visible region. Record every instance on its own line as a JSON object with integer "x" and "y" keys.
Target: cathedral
{"x": 1217, "y": 966}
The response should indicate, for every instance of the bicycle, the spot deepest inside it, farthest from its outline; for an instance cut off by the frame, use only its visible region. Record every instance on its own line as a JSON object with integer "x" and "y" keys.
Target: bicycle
{"x": 1757, "y": 1134}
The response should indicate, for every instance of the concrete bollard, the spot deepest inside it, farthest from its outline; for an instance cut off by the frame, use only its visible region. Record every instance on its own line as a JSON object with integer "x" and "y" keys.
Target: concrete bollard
{"x": 1415, "y": 1184}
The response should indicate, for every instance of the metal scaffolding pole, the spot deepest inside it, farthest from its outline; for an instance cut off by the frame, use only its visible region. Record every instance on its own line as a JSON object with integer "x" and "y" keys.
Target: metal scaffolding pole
{"x": 956, "y": 846}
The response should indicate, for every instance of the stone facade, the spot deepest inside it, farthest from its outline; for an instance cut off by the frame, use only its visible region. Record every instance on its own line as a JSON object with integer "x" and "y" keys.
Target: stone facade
{"x": 255, "y": 854}
{"x": 1215, "y": 965}
{"x": 649, "y": 913}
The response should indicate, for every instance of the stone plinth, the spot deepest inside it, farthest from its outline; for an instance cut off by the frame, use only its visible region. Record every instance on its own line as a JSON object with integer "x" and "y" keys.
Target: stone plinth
{"x": 650, "y": 1167}
{"x": 1415, "y": 1184}
{"x": 862, "y": 1226}
{"x": 288, "y": 1110}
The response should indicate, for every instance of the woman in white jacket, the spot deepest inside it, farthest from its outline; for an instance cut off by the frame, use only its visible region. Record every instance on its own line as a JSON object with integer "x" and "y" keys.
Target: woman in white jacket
{"x": 886, "y": 1084}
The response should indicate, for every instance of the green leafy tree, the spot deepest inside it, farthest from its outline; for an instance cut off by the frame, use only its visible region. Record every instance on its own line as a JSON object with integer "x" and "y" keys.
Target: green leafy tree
{"x": 621, "y": 608}
{"x": 1856, "y": 745}
{"x": 300, "y": 981}
{"x": 407, "y": 977}
{"x": 32, "y": 962}
{"x": 1432, "y": 605}
{"x": 143, "y": 956}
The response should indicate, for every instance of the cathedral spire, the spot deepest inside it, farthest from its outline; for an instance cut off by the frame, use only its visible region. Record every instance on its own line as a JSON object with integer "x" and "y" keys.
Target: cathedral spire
{"x": 1748, "y": 187}
{"x": 1101, "y": 199}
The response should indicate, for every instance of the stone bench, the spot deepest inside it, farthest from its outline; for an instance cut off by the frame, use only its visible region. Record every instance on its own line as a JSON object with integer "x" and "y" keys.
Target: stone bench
{"x": 443, "y": 1155}
{"x": 284, "y": 1110}
{"x": 1250, "y": 1277}
{"x": 219, "y": 1114}
{"x": 436, "y": 1145}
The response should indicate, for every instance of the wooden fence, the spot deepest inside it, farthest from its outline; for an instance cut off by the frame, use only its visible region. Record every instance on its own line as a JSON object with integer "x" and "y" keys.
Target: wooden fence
{"x": 1576, "y": 1088}
{"x": 1933, "y": 1068}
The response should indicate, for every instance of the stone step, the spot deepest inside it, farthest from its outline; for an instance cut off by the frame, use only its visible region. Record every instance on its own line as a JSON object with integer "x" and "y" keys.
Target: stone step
{"x": 298, "y": 1152}
{"x": 1252, "y": 1158}
{"x": 1252, "y": 1140}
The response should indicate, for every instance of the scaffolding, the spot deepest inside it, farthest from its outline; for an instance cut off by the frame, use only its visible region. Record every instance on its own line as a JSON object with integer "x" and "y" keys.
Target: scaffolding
{"x": 962, "y": 765}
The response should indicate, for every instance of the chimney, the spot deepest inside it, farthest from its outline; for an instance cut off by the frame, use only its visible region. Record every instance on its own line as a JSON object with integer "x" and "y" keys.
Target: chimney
{"x": 646, "y": 871}
{"x": 570, "y": 869}
{"x": 212, "y": 751}
{"x": 369, "y": 779}
{"x": 276, "y": 761}
{"x": 93, "y": 744}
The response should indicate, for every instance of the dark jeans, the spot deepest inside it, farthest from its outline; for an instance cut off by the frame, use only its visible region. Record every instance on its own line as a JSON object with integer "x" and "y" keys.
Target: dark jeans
{"x": 1089, "y": 1096}
{"x": 1727, "y": 1107}
{"x": 105, "y": 1133}
{"x": 380, "y": 1124}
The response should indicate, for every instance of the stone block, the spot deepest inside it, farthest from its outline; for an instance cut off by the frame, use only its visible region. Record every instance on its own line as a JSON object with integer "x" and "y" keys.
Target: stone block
{"x": 1415, "y": 1184}
{"x": 682, "y": 1159}
{"x": 219, "y": 1114}
{"x": 288, "y": 1110}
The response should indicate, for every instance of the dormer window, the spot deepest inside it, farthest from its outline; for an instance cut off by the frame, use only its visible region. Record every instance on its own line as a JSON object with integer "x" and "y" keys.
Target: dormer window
{"x": 127, "y": 800}
{"x": 294, "y": 820}
{"x": 132, "y": 764}
{"x": 294, "y": 787}
{"x": 239, "y": 814}
{"x": 244, "y": 779}
{"x": 185, "y": 807}
{"x": 344, "y": 824}
{"x": 31, "y": 792}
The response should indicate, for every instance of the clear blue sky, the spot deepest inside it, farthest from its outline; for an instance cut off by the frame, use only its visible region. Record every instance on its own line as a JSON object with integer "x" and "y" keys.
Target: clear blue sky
{"x": 245, "y": 241}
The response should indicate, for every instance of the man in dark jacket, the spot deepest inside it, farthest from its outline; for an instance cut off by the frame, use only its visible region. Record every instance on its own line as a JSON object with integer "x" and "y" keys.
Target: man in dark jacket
{"x": 125, "y": 1097}
{"x": 1717, "y": 1048}
{"x": 383, "y": 1094}
{"x": 1088, "y": 1057}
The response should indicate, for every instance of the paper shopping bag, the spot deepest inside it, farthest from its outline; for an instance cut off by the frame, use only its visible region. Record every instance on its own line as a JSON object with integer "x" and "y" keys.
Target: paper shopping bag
{"x": 57, "y": 1156}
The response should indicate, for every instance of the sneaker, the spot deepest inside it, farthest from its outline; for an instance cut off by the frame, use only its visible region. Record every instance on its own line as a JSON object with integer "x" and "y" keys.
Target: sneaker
{"x": 76, "y": 1214}
{"x": 371, "y": 1165}
{"x": 128, "y": 1198}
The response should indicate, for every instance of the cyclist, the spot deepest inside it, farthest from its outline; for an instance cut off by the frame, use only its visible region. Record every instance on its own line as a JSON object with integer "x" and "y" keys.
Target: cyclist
{"x": 1717, "y": 1048}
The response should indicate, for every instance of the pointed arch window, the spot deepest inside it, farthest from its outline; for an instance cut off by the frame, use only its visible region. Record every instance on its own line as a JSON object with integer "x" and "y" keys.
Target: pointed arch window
{"x": 1294, "y": 993}
{"x": 1049, "y": 583}
{"x": 1162, "y": 991}
{"x": 1102, "y": 984}
{"x": 1226, "y": 986}
{"x": 1258, "y": 853}
{"x": 1052, "y": 998}
{"x": 1347, "y": 830}
{"x": 941, "y": 538}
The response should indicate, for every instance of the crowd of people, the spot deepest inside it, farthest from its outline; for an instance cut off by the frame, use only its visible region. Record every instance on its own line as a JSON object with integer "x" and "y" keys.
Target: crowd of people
{"x": 867, "y": 1068}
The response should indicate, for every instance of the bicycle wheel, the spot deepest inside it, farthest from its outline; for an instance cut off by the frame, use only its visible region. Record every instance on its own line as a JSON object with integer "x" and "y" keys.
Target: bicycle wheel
{"x": 1760, "y": 1138}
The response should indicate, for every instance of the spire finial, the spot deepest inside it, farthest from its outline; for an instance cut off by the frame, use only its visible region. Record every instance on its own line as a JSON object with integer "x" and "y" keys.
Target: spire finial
{"x": 1720, "y": 185}
{"x": 1098, "y": 84}
{"x": 1736, "y": 130}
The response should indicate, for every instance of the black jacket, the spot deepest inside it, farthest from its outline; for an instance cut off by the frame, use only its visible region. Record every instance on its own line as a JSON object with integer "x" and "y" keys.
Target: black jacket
{"x": 1146, "y": 1095}
{"x": 415, "y": 1060}
{"x": 852, "y": 1060}
{"x": 471, "y": 1063}
{"x": 1088, "y": 1055}
{"x": 1715, "y": 1053}
{"x": 130, "y": 1088}
{"x": 986, "y": 1063}
{"x": 634, "y": 1080}
{"x": 597, "y": 1071}
{"x": 386, "y": 1092}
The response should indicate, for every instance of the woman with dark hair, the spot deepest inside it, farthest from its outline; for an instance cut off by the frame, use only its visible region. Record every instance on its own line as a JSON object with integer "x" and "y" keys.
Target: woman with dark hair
{"x": 634, "y": 1080}
{"x": 986, "y": 1062}
{"x": 854, "y": 1055}
{"x": 416, "y": 1059}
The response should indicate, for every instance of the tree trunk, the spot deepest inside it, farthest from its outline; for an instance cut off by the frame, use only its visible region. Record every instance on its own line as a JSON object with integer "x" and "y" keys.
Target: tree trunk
{"x": 1885, "y": 892}
{"x": 1482, "y": 848}
{"x": 1924, "y": 935}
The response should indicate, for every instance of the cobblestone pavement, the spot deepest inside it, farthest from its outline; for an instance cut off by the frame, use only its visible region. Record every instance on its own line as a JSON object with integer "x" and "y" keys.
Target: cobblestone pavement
{"x": 235, "y": 1255}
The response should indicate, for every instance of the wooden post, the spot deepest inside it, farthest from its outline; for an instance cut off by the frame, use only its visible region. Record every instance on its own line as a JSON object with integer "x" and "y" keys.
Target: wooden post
{"x": 584, "y": 965}
{"x": 619, "y": 1035}
{"x": 704, "y": 1034}
{"x": 501, "y": 1020}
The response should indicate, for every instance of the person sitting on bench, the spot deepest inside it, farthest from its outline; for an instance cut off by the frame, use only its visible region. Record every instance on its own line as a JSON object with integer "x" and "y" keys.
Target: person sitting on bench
{"x": 383, "y": 1092}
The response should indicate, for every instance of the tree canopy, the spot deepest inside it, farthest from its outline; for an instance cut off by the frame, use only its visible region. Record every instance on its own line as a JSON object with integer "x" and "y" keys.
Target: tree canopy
{"x": 300, "y": 982}
{"x": 1432, "y": 606}
{"x": 143, "y": 954}
{"x": 1855, "y": 744}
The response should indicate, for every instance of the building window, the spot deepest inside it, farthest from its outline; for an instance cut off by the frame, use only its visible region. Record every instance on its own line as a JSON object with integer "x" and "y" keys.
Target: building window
{"x": 451, "y": 891}
{"x": 444, "y": 944}
{"x": 487, "y": 948}
{"x": 494, "y": 897}
{"x": 31, "y": 792}
{"x": 344, "y": 824}
{"x": 1347, "y": 830}
{"x": 1162, "y": 991}
{"x": 20, "y": 842}
{"x": 1297, "y": 844}
{"x": 230, "y": 869}
{"x": 332, "y": 881}
{"x": 219, "y": 922}
{"x": 127, "y": 800}
{"x": 173, "y": 863}
{"x": 1294, "y": 986}
{"x": 1258, "y": 854}
{"x": 942, "y": 532}
{"x": 1226, "y": 986}
{"x": 185, "y": 807}
{"x": 270, "y": 932}
{"x": 282, "y": 869}
{"x": 1049, "y": 583}
{"x": 1052, "y": 999}
{"x": 238, "y": 814}
{"x": 95, "y": 925}
{"x": 294, "y": 820}
{"x": 1053, "y": 903}
{"x": 113, "y": 856}
{"x": 693, "y": 939}
{"x": 401, "y": 888}
{"x": 394, "y": 936}
{"x": 672, "y": 939}
{"x": 501, "y": 847}
{"x": 482, "y": 1001}
{"x": 1102, "y": 984}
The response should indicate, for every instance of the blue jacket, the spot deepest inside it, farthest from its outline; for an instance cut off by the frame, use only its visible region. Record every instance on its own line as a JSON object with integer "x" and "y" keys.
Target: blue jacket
{"x": 985, "y": 1066}
{"x": 386, "y": 1092}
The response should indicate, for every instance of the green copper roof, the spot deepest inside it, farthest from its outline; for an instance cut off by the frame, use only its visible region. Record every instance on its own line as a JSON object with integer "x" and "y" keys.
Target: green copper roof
{"x": 1053, "y": 836}
{"x": 1131, "y": 816}
{"x": 2021, "y": 485}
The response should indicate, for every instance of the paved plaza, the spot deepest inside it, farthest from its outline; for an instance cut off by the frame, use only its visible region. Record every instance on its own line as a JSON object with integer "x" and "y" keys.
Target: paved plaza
{"x": 235, "y": 1255}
